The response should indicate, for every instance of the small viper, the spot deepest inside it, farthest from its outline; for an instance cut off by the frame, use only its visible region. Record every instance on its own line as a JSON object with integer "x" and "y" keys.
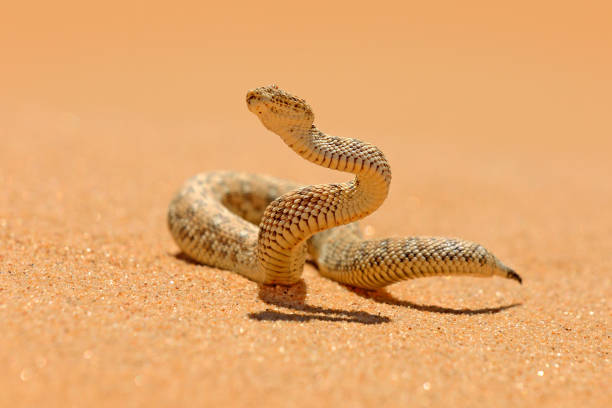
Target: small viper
{"x": 214, "y": 218}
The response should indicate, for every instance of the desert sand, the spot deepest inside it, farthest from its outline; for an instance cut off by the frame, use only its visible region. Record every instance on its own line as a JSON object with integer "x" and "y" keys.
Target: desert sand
{"x": 496, "y": 122}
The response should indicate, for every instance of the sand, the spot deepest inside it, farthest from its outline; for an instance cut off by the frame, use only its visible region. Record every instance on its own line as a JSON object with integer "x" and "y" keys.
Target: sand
{"x": 497, "y": 127}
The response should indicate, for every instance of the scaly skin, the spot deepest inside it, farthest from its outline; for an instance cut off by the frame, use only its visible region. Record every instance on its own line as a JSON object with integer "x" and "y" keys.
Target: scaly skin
{"x": 213, "y": 217}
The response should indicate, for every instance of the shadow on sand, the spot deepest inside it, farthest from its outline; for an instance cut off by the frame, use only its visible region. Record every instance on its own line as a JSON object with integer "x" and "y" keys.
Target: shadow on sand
{"x": 293, "y": 298}
{"x": 382, "y": 296}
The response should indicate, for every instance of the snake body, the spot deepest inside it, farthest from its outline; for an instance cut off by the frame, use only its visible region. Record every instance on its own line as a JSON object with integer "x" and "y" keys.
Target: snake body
{"x": 264, "y": 228}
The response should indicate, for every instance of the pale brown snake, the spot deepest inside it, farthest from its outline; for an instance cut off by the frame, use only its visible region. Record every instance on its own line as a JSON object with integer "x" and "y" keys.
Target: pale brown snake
{"x": 263, "y": 228}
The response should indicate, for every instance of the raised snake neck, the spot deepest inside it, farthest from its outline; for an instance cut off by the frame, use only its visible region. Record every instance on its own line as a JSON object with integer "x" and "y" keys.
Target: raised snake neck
{"x": 213, "y": 217}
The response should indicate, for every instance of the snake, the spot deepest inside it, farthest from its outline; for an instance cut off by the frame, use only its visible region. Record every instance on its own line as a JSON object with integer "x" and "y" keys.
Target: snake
{"x": 265, "y": 228}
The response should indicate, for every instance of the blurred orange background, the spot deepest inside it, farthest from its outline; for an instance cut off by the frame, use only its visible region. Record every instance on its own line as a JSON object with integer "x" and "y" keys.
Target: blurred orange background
{"x": 511, "y": 72}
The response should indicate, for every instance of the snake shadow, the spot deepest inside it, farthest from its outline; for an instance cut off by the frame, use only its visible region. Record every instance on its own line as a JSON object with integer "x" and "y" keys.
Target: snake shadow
{"x": 181, "y": 256}
{"x": 382, "y": 296}
{"x": 293, "y": 298}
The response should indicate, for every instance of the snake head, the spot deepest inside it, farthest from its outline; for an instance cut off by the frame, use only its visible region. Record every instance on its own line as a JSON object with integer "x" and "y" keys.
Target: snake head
{"x": 278, "y": 109}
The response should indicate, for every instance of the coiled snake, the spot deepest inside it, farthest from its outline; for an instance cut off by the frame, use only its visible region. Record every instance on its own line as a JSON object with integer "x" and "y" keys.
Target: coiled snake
{"x": 214, "y": 216}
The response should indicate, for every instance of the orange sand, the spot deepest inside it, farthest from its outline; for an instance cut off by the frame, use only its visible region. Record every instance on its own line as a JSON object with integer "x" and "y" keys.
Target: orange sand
{"x": 497, "y": 125}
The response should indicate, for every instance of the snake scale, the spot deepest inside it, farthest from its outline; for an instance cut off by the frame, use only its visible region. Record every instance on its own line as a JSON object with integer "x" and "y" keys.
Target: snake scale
{"x": 264, "y": 228}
